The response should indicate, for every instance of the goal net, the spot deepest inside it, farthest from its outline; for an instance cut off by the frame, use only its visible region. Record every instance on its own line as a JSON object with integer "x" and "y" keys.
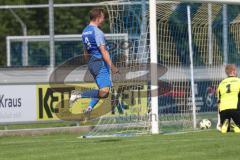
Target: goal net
{"x": 130, "y": 115}
{"x": 215, "y": 42}
{"x": 129, "y": 98}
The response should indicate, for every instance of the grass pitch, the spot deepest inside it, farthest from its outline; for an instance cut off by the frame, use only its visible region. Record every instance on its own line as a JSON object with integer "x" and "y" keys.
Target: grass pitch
{"x": 204, "y": 145}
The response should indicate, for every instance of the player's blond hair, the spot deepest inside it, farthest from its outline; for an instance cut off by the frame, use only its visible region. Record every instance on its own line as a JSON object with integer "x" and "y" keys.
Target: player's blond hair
{"x": 230, "y": 68}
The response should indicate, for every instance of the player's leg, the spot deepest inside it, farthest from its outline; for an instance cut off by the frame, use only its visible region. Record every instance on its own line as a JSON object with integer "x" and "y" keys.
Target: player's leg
{"x": 236, "y": 119}
{"x": 94, "y": 67}
{"x": 75, "y": 95}
{"x": 103, "y": 81}
{"x": 101, "y": 73}
{"x": 225, "y": 121}
{"x": 96, "y": 93}
{"x": 91, "y": 105}
{"x": 102, "y": 93}
{"x": 218, "y": 127}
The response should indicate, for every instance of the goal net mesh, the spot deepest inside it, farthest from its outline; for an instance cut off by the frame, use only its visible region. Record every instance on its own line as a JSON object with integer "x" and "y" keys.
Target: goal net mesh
{"x": 209, "y": 57}
{"x": 207, "y": 22}
{"x": 131, "y": 114}
{"x": 216, "y": 42}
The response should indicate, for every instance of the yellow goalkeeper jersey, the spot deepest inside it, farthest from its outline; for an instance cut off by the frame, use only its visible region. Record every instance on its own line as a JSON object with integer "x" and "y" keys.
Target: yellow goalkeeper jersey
{"x": 228, "y": 93}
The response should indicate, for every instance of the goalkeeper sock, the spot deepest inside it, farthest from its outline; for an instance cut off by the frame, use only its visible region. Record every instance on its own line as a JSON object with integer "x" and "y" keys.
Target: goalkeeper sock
{"x": 225, "y": 126}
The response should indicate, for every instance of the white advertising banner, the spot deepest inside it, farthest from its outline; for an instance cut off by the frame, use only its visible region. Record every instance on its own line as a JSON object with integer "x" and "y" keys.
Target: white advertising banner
{"x": 17, "y": 103}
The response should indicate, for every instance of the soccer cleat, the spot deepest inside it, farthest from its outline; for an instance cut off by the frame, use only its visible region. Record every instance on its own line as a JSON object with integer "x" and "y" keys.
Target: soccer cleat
{"x": 236, "y": 129}
{"x": 75, "y": 95}
{"x": 225, "y": 124}
{"x": 88, "y": 110}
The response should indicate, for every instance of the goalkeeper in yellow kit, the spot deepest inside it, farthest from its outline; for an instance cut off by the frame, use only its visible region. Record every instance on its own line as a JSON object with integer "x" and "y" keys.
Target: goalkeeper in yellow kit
{"x": 228, "y": 94}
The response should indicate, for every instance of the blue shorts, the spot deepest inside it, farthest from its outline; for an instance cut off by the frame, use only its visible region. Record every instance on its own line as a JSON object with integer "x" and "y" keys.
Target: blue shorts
{"x": 100, "y": 72}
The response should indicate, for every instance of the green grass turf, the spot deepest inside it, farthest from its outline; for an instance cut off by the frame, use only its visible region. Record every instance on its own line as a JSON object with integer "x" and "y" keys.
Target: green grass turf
{"x": 38, "y": 125}
{"x": 209, "y": 145}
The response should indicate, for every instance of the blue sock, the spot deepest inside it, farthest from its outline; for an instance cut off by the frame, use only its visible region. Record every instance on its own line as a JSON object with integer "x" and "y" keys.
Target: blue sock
{"x": 93, "y": 102}
{"x": 90, "y": 94}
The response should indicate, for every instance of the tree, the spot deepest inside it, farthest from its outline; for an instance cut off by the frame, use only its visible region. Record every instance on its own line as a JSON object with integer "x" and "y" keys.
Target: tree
{"x": 67, "y": 21}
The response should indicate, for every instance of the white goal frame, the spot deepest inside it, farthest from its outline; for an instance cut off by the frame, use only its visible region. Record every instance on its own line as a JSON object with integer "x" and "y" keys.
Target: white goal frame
{"x": 153, "y": 36}
{"x": 207, "y": 1}
{"x": 51, "y": 39}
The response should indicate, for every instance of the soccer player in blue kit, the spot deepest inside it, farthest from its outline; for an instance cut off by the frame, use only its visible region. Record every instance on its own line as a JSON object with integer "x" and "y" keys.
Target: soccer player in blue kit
{"x": 99, "y": 64}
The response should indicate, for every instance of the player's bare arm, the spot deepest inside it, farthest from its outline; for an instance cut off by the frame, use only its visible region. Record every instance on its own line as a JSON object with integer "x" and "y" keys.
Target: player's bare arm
{"x": 86, "y": 55}
{"x": 107, "y": 59}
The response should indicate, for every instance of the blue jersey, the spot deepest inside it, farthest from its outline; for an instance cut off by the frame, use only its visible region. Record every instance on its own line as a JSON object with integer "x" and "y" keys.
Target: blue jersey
{"x": 92, "y": 38}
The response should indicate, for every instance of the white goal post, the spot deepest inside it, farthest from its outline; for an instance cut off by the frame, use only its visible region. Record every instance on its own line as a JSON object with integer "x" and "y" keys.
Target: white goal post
{"x": 153, "y": 59}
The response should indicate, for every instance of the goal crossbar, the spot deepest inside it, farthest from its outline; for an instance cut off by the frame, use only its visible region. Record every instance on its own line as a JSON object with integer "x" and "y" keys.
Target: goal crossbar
{"x": 68, "y": 5}
{"x": 113, "y": 3}
{"x": 205, "y": 1}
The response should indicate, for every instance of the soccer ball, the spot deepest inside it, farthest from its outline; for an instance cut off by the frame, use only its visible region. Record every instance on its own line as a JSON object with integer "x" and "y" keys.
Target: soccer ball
{"x": 205, "y": 124}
